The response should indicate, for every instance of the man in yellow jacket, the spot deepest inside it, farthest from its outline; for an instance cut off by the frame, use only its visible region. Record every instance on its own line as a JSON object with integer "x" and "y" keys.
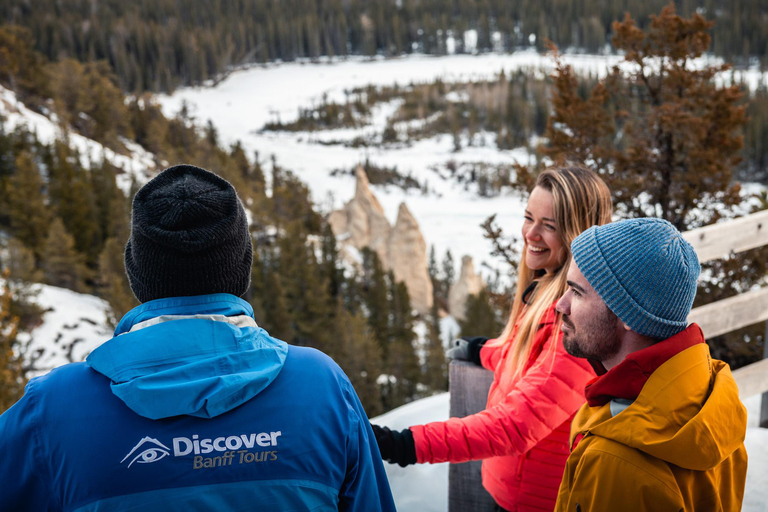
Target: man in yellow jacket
{"x": 663, "y": 427}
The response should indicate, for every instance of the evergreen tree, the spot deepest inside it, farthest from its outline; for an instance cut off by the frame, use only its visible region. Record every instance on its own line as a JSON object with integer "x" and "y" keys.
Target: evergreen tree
{"x": 72, "y": 200}
{"x": 26, "y": 208}
{"x": 354, "y": 292}
{"x": 147, "y": 123}
{"x": 449, "y": 275}
{"x": 211, "y": 134}
{"x": 72, "y": 97}
{"x": 480, "y": 319}
{"x": 107, "y": 114}
{"x": 436, "y": 365}
{"x": 206, "y": 40}
{"x": 8, "y": 153}
{"x": 432, "y": 267}
{"x": 62, "y": 265}
{"x": 439, "y": 290}
{"x": 22, "y": 273}
{"x": 665, "y": 136}
{"x": 755, "y": 167}
{"x": 277, "y": 318}
{"x": 21, "y": 263}
{"x": 331, "y": 271}
{"x": 291, "y": 201}
{"x": 12, "y": 377}
{"x": 360, "y": 357}
{"x": 306, "y": 291}
{"x": 669, "y": 131}
{"x": 251, "y": 175}
{"x": 402, "y": 361}
{"x": 112, "y": 207}
{"x": 113, "y": 282}
{"x": 256, "y": 294}
{"x": 376, "y": 299}
{"x": 21, "y": 68}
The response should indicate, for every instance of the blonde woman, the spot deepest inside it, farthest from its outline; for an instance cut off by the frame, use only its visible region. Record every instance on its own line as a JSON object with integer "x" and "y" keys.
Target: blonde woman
{"x": 522, "y": 435}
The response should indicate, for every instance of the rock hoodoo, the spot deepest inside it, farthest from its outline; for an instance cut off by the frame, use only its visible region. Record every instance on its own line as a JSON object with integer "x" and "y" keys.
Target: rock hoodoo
{"x": 362, "y": 223}
{"x": 402, "y": 248}
{"x": 408, "y": 259}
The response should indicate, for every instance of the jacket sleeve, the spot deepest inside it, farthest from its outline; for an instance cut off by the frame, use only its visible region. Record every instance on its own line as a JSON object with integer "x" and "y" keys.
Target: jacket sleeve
{"x": 490, "y": 355}
{"x": 549, "y": 393}
{"x": 604, "y": 482}
{"x": 24, "y": 484}
{"x": 366, "y": 487}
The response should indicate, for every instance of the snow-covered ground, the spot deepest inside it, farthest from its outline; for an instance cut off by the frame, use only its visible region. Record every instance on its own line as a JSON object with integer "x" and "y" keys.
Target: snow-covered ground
{"x": 73, "y": 325}
{"x": 421, "y": 487}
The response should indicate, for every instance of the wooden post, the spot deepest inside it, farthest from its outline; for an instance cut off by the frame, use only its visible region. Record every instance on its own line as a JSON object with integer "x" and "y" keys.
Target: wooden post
{"x": 469, "y": 386}
{"x": 764, "y": 402}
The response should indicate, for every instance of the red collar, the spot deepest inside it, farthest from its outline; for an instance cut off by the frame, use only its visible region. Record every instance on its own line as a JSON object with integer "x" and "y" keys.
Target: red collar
{"x": 626, "y": 379}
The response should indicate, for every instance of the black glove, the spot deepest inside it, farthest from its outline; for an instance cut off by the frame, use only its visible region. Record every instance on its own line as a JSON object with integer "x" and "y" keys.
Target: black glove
{"x": 467, "y": 348}
{"x": 395, "y": 447}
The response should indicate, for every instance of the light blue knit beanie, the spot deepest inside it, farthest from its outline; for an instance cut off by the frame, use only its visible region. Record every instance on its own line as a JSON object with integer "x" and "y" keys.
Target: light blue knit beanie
{"x": 644, "y": 270}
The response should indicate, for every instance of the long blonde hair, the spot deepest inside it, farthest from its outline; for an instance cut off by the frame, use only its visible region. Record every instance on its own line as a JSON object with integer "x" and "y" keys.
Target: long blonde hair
{"x": 581, "y": 199}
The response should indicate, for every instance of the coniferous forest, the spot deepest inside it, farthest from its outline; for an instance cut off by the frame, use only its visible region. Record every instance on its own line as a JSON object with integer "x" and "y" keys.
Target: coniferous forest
{"x": 92, "y": 67}
{"x": 160, "y": 44}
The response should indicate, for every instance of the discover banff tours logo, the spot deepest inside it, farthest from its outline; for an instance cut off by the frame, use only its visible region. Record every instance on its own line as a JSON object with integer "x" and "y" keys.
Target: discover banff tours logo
{"x": 152, "y": 451}
{"x": 224, "y": 451}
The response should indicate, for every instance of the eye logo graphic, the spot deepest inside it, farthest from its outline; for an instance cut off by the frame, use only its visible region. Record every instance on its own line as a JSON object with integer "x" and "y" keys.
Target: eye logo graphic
{"x": 152, "y": 452}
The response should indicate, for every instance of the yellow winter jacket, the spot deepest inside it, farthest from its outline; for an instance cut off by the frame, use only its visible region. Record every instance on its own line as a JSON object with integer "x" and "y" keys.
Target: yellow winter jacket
{"x": 678, "y": 447}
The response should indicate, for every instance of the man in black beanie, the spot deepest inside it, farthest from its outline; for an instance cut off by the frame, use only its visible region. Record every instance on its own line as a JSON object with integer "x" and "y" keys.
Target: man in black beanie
{"x": 189, "y": 236}
{"x": 191, "y": 406}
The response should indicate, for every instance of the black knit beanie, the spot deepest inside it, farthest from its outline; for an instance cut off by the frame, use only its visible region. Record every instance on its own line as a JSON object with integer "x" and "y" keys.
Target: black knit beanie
{"x": 189, "y": 236}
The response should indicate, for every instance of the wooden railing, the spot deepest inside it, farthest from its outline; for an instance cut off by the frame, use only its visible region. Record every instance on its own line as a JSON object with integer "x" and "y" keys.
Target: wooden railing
{"x": 469, "y": 383}
{"x": 748, "y": 308}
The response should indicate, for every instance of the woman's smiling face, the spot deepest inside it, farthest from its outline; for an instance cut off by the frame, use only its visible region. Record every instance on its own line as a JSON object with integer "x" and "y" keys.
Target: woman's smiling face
{"x": 543, "y": 247}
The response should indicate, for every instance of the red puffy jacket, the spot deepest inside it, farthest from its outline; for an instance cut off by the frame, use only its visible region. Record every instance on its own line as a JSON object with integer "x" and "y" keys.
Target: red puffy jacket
{"x": 522, "y": 435}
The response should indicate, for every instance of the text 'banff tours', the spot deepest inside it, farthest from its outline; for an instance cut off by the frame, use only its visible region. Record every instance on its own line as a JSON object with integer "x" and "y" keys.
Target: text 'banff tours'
{"x": 237, "y": 448}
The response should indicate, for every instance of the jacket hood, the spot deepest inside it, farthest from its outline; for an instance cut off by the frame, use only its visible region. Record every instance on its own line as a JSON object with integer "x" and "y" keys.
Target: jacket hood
{"x": 199, "y": 356}
{"x": 690, "y": 401}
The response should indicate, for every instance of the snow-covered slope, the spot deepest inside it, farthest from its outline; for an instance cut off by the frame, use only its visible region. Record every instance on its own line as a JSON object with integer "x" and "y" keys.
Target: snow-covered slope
{"x": 138, "y": 164}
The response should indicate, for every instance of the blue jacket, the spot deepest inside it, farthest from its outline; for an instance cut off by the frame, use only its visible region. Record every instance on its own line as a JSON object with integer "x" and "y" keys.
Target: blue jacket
{"x": 191, "y": 406}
